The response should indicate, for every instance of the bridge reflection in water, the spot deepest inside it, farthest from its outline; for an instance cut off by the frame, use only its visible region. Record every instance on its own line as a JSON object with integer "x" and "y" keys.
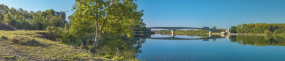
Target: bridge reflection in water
{"x": 203, "y": 38}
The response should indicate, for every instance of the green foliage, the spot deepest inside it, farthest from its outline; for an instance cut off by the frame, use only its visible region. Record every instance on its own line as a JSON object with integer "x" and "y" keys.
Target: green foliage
{"x": 278, "y": 31}
{"x": 66, "y": 27}
{"x": 117, "y": 17}
{"x": 65, "y": 36}
{"x": 257, "y": 27}
{"x": 22, "y": 19}
{"x": 233, "y": 29}
{"x": 267, "y": 32}
{"x": 214, "y": 27}
{"x": 114, "y": 16}
{"x": 7, "y": 18}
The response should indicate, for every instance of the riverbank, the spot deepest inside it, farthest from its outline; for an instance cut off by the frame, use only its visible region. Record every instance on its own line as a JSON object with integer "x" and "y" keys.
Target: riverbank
{"x": 142, "y": 33}
{"x": 34, "y": 46}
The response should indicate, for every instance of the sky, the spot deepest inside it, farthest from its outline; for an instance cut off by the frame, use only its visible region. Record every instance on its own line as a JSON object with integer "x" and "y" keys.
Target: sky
{"x": 184, "y": 13}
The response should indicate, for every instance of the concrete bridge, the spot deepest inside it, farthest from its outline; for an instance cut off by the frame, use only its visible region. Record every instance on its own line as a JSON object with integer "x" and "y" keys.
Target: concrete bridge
{"x": 176, "y": 28}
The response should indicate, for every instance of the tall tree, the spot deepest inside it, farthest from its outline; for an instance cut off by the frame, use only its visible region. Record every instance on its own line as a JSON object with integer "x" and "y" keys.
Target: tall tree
{"x": 114, "y": 15}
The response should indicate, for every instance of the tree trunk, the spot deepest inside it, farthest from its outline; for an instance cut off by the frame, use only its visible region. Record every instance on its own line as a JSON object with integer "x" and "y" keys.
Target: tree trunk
{"x": 96, "y": 38}
{"x": 87, "y": 42}
{"x": 96, "y": 35}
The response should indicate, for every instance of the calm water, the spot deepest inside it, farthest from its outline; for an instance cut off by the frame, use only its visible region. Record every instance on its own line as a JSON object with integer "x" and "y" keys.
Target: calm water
{"x": 237, "y": 48}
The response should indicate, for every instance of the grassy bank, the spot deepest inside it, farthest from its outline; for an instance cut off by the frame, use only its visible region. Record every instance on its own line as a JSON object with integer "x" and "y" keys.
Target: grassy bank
{"x": 33, "y": 45}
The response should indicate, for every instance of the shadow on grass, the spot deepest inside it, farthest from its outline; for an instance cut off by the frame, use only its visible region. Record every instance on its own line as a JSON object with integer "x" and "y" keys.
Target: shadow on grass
{"x": 44, "y": 35}
{"x": 26, "y": 42}
{"x": 9, "y": 30}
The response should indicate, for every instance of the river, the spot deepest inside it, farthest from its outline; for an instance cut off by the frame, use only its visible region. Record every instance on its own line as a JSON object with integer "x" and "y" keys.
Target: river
{"x": 235, "y": 48}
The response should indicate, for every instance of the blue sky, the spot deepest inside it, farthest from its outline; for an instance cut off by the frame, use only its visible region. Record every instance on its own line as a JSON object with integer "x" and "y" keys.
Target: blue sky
{"x": 184, "y": 13}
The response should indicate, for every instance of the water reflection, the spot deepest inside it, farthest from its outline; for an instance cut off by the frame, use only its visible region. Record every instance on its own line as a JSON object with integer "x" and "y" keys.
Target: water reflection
{"x": 162, "y": 46}
{"x": 217, "y": 48}
{"x": 240, "y": 39}
{"x": 258, "y": 40}
{"x": 124, "y": 48}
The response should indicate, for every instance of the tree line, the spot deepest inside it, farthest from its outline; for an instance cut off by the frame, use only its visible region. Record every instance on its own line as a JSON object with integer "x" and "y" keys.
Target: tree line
{"x": 30, "y": 20}
{"x": 257, "y": 27}
{"x": 275, "y": 29}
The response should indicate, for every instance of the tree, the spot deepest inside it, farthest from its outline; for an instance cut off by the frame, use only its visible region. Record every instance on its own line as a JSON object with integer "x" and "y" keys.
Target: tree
{"x": 114, "y": 15}
{"x": 267, "y": 32}
{"x": 7, "y": 18}
{"x": 233, "y": 29}
{"x": 214, "y": 27}
{"x": 23, "y": 19}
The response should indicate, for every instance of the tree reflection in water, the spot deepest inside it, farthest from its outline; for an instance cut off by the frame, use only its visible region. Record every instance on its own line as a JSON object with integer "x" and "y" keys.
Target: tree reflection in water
{"x": 258, "y": 40}
{"x": 124, "y": 48}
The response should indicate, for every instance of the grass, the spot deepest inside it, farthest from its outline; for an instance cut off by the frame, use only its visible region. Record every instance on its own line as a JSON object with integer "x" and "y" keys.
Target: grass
{"x": 39, "y": 47}
{"x": 7, "y": 57}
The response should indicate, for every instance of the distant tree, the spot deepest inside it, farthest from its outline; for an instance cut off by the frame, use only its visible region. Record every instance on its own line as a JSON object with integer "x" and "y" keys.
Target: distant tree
{"x": 7, "y": 18}
{"x": 233, "y": 29}
{"x": 267, "y": 32}
{"x": 23, "y": 19}
{"x": 214, "y": 27}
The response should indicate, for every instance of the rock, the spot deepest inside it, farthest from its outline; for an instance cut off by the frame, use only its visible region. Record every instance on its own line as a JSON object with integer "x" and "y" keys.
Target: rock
{"x": 33, "y": 40}
{"x": 3, "y": 37}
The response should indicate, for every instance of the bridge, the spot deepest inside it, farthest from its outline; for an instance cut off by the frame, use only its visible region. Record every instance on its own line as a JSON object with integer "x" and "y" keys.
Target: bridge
{"x": 176, "y": 28}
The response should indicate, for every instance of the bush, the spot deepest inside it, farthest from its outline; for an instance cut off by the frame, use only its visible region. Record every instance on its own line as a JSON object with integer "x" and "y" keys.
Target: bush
{"x": 54, "y": 32}
{"x": 65, "y": 36}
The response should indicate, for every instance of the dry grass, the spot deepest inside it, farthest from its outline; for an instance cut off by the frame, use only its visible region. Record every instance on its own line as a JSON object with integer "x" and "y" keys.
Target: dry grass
{"x": 41, "y": 48}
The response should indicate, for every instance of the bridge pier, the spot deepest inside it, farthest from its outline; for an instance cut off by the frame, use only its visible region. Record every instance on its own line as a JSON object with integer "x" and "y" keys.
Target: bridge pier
{"x": 173, "y": 32}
